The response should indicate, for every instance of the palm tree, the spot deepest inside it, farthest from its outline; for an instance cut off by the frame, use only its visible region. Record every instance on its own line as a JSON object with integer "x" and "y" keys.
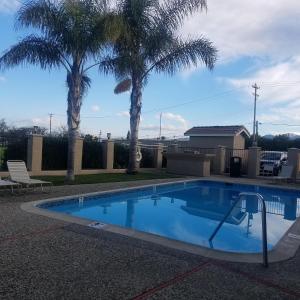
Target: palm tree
{"x": 148, "y": 42}
{"x": 73, "y": 34}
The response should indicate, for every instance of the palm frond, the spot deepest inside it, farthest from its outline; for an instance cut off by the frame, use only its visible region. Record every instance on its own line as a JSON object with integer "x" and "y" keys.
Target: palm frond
{"x": 32, "y": 50}
{"x": 119, "y": 66}
{"x": 85, "y": 84}
{"x": 184, "y": 54}
{"x": 171, "y": 13}
{"x": 45, "y": 15}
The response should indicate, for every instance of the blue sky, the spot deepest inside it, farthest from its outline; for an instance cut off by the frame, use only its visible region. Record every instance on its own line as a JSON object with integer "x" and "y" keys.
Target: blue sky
{"x": 258, "y": 41}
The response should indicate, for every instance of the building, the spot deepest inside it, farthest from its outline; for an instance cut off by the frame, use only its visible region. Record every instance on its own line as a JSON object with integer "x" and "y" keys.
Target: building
{"x": 232, "y": 137}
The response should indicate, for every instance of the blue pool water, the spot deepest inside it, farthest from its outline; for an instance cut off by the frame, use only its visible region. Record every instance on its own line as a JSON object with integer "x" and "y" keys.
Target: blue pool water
{"x": 191, "y": 211}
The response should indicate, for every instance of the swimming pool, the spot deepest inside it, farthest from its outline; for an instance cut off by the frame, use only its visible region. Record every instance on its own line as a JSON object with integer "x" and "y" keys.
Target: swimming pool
{"x": 190, "y": 211}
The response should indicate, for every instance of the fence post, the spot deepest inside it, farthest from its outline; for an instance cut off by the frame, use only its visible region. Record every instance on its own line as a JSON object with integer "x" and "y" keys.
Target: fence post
{"x": 78, "y": 155}
{"x": 35, "y": 153}
{"x": 254, "y": 162}
{"x": 158, "y": 156}
{"x": 219, "y": 163}
{"x": 108, "y": 154}
{"x": 293, "y": 160}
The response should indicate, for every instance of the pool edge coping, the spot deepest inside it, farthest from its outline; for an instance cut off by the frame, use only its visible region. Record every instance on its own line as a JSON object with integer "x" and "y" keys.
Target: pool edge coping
{"x": 285, "y": 248}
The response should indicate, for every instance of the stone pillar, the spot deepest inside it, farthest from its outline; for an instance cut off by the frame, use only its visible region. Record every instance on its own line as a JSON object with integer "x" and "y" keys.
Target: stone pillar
{"x": 294, "y": 160}
{"x": 108, "y": 148}
{"x": 219, "y": 162}
{"x": 158, "y": 156}
{"x": 78, "y": 155}
{"x": 173, "y": 148}
{"x": 35, "y": 153}
{"x": 254, "y": 162}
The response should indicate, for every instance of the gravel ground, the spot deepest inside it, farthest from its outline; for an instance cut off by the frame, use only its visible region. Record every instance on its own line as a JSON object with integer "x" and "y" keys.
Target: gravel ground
{"x": 42, "y": 258}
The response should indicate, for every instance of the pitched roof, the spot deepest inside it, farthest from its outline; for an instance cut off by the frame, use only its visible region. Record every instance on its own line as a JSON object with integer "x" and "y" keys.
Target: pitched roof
{"x": 218, "y": 131}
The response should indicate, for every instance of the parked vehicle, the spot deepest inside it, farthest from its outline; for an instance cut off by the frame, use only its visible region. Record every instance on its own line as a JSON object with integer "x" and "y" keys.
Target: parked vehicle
{"x": 271, "y": 162}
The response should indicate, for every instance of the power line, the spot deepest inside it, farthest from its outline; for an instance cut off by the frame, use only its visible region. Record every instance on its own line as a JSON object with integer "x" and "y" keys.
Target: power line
{"x": 281, "y": 124}
{"x": 192, "y": 101}
{"x": 212, "y": 97}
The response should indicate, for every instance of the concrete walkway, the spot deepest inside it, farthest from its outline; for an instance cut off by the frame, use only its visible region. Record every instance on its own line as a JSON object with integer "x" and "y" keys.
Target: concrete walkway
{"x": 42, "y": 258}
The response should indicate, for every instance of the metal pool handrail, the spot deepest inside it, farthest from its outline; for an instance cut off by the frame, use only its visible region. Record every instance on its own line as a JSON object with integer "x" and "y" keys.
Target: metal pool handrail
{"x": 263, "y": 221}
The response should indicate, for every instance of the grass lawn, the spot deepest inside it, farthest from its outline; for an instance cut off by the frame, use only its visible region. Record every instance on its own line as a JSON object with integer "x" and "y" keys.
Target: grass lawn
{"x": 102, "y": 178}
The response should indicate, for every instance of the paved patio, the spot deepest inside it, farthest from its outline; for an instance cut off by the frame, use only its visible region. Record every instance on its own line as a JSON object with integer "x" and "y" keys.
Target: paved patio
{"x": 42, "y": 258}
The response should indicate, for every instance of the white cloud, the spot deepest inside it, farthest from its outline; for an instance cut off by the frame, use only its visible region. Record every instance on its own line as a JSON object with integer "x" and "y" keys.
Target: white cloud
{"x": 9, "y": 5}
{"x": 95, "y": 108}
{"x": 44, "y": 122}
{"x": 171, "y": 123}
{"x": 279, "y": 92}
{"x": 280, "y": 83}
{"x": 124, "y": 113}
{"x": 2, "y": 79}
{"x": 250, "y": 28}
{"x": 175, "y": 117}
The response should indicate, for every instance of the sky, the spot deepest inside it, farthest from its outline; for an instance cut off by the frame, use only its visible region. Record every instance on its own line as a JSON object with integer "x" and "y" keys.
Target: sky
{"x": 258, "y": 41}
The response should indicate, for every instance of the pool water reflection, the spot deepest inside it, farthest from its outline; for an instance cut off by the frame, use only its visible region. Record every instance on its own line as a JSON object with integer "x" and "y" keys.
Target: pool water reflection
{"x": 190, "y": 212}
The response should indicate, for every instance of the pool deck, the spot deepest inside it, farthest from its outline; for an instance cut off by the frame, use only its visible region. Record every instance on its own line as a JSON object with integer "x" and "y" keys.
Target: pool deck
{"x": 45, "y": 258}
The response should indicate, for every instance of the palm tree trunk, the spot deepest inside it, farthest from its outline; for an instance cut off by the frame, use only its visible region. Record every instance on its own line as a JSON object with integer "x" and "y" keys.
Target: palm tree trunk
{"x": 135, "y": 116}
{"x": 74, "y": 106}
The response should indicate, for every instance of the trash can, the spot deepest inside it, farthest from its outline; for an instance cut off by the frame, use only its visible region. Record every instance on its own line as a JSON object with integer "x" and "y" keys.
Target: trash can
{"x": 235, "y": 166}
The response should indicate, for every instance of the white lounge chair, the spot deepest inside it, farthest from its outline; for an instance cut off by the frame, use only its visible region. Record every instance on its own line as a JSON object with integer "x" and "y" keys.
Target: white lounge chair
{"x": 285, "y": 174}
{"x": 18, "y": 173}
{"x": 8, "y": 184}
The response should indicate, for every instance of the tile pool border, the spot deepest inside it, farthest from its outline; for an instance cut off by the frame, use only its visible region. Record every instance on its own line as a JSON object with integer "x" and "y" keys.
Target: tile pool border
{"x": 285, "y": 249}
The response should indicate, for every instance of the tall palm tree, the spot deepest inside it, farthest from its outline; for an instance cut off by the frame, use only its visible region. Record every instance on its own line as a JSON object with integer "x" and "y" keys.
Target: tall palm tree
{"x": 72, "y": 35}
{"x": 149, "y": 42}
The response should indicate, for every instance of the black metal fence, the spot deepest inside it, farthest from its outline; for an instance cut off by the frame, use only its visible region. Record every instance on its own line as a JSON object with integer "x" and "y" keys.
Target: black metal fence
{"x": 92, "y": 155}
{"x": 55, "y": 153}
{"x": 147, "y": 158}
{"x": 121, "y": 156}
{"x": 242, "y": 153}
{"x": 12, "y": 148}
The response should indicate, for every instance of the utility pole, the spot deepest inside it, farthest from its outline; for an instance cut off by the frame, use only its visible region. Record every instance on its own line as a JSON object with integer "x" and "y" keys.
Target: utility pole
{"x": 160, "y": 120}
{"x": 50, "y": 120}
{"x": 256, "y": 88}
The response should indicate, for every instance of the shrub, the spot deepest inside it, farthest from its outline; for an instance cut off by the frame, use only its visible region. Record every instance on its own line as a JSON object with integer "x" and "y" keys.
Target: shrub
{"x": 55, "y": 153}
{"x": 92, "y": 155}
{"x": 121, "y": 156}
{"x": 13, "y": 149}
{"x": 147, "y": 158}
{"x": 164, "y": 160}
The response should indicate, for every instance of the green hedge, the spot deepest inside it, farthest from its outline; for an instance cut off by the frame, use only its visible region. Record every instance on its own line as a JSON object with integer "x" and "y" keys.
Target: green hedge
{"x": 13, "y": 149}
{"x": 147, "y": 158}
{"x": 92, "y": 155}
{"x": 55, "y": 153}
{"x": 164, "y": 160}
{"x": 121, "y": 156}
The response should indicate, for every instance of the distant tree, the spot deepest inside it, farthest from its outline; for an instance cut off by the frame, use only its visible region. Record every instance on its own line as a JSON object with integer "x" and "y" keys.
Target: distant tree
{"x": 90, "y": 138}
{"x": 128, "y": 135}
{"x": 3, "y": 126}
{"x": 73, "y": 35}
{"x": 149, "y": 42}
{"x": 25, "y": 131}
